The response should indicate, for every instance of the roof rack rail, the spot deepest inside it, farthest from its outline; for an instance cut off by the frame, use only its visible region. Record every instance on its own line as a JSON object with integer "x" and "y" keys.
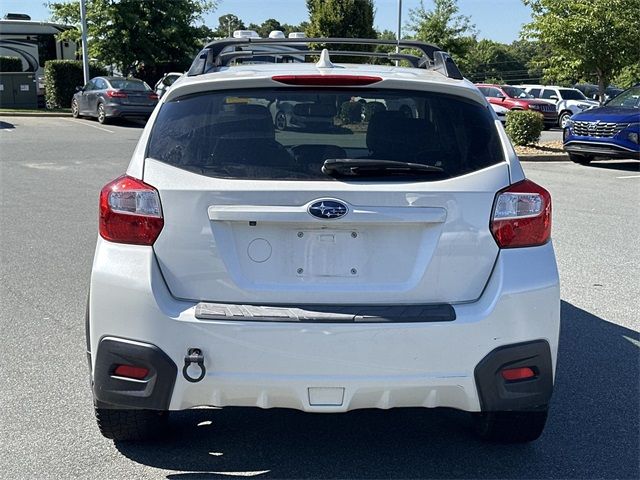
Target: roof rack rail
{"x": 221, "y": 53}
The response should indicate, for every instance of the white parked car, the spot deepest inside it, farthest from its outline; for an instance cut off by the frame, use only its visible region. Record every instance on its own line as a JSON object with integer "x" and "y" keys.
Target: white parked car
{"x": 166, "y": 82}
{"x": 307, "y": 115}
{"x": 568, "y": 101}
{"x": 501, "y": 112}
{"x": 400, "y": 262}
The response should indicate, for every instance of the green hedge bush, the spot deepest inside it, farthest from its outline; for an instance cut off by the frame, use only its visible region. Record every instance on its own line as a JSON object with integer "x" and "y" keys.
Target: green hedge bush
{"x": 524, "y": 126}
{"x": 371, "y": 108}
{"x": 61, "y": 77}
{"x": 10, "y": 64}
{"x": 351, "y": 112}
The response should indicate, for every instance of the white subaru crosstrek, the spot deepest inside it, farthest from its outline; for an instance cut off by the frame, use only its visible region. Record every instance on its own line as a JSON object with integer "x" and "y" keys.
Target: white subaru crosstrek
{"x": 387, "y": 261}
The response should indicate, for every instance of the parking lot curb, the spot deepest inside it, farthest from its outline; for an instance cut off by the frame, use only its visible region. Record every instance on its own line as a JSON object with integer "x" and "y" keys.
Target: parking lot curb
{"x": 35, "y": 114}
{"x": 544, "y": 158}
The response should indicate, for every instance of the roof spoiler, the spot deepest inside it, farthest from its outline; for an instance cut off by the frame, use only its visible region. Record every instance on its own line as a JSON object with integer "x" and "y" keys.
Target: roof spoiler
{"x": 221, "y": 53}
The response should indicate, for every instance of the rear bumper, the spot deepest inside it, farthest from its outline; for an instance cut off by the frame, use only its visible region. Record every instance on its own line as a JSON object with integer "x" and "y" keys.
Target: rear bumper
{"x": 601, "y": 149}
{"x": 119, "y": 110}
{"x": 329, "y": 367}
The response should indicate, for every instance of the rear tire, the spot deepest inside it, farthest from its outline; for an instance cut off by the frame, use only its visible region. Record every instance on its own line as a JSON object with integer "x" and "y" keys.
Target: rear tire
{"x": 102, "y": 115}
{"x": 510, "y": 427}
{"x": 131, "y": 425}
{"x": 564, "y": 118}
{"x": 75, "y": 112}
{"x": 581, "y": 159}
{"x": 280, "y": 121}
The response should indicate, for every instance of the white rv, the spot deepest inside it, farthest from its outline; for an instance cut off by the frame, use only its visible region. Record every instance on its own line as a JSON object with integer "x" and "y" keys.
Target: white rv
{"x": 34, "y": 43}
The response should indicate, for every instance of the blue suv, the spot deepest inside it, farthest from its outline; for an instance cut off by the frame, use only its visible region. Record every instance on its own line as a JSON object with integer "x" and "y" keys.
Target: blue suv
{"x": 610, "y": 131}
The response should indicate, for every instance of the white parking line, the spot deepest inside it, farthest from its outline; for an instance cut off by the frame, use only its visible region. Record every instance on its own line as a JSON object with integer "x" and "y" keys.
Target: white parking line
{"x": 630, "y": 176}
{"x": 88, "y": 124}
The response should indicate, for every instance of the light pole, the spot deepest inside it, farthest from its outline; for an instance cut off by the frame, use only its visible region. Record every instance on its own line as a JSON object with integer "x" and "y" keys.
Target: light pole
{"x": 399, "y": 28}
{"x": 85, "y": 50}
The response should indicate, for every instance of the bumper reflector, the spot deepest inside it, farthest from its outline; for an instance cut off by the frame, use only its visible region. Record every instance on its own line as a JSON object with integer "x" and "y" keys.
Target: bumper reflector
{"x": 129, "y": 371}
{"x": 522, "y": 373}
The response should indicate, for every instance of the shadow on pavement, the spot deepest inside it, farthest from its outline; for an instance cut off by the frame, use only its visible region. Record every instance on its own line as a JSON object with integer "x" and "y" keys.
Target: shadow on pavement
{"x": 6, "y": 125}
{"x": 593, "y": 429}
{"x": 624, "y": 165}
{"x": 130, "y": 122}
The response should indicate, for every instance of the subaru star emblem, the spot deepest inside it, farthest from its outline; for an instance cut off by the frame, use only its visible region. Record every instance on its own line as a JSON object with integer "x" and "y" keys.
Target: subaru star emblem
{"x": 328, "y": 209}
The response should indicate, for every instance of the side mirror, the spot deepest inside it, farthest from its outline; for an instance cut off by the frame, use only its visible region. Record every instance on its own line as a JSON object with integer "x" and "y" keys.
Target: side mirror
{"x": 79, "y": 89}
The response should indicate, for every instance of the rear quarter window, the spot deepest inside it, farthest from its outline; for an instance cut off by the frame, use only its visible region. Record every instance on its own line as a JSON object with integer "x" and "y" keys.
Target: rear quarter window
{"x": 133, "y": 85}
{"x": 288, "y": 133}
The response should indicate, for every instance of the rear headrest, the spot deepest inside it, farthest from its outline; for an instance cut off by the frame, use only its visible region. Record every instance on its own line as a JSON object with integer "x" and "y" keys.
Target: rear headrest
{"x": 240, "y": 120}
{"x": 391, "y": 135}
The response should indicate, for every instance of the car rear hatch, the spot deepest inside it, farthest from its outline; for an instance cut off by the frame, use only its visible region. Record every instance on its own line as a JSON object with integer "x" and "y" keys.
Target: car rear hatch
{"x": 137, "y": 97}
{"x": 250, "y": 218}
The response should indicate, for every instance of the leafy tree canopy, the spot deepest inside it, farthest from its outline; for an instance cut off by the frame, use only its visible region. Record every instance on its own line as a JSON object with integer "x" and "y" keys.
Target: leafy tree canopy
{"x": 487, "y": 59}
{"x": 342, "y": 18}
{"x": 596, "y": 38}
{"x": 443, "y": 26}
{"x": 227, "y": 24}
{"x": 268, "y": 26}
{"x": 135, "y": 36}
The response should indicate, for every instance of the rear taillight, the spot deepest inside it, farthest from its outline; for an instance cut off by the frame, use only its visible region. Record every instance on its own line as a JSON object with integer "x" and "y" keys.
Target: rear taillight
{"x": 130, "y": 371}
{"x": 521, "y": 216}
{"x": 153, "y": 96}
{"x": 116, "y": 94}
{"x": 130, "y": 212}
{"x": 327, "y": 80}
{"x": 515, "y": 374}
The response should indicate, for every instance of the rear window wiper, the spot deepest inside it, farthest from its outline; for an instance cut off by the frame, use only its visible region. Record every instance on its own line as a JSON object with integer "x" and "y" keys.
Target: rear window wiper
{"x": 352, "y": 167}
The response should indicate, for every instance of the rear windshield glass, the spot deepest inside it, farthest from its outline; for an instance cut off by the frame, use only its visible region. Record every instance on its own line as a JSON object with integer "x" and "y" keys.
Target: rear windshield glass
{"x": 628, "y": 99}
{"x": 134, "y": 85}
{"x": 515, "y": 92}
{"x": 571, "y": 94}
{"x": 289, "y": 133}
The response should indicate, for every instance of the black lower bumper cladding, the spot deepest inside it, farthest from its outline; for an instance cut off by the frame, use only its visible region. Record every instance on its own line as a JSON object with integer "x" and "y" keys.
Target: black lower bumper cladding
{"x": 497, "y": 394}
{"x": 604, "y": 150}
{"x": 153, "y": 392}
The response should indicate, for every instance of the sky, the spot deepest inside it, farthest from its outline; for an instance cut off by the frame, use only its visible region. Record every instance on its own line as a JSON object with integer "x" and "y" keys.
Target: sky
{"x": 499, "y": 20}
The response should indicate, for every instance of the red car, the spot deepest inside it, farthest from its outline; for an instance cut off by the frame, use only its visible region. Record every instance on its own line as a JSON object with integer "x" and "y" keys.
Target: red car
{"x": 515, "y": 98}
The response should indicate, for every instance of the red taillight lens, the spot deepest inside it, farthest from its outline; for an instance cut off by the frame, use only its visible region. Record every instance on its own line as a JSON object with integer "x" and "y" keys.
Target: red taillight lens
{"x": 116, "y": 94}
{"x": 130, "y": 371}
{"x": 521, "y": 216}
{"x": 513, "y": 374}
{"x": 153, "y": 96}
{"x": 327, "y": 80}
{"x": 130, "y": 212}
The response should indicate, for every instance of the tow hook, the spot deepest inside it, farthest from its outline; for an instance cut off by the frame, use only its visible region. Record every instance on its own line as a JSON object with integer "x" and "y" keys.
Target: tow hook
{"x": 194, "y": 355}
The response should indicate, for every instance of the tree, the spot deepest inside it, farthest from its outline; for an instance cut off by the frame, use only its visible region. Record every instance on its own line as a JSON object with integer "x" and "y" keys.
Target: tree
{"x": 138, "y": 37}
{"x": 628, "y": 76}
{"x": 586, "y": 38}
{"x": 443, "y": 26}
{"x": 488, "y": 59}
{"x": 342, "y": 18}
{"x": 227, "y": 24}
{"x": 268, "y": 26}
{"x": 301, "y": 27}
{"x": 530, "y": 54}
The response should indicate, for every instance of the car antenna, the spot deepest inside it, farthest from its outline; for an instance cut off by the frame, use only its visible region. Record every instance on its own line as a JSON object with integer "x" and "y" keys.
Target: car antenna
{"x": 325, "y": 60}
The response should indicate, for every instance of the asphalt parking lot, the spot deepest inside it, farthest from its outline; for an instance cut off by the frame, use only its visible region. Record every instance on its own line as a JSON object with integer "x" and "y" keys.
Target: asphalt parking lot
{"x": 51, "y": 170}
